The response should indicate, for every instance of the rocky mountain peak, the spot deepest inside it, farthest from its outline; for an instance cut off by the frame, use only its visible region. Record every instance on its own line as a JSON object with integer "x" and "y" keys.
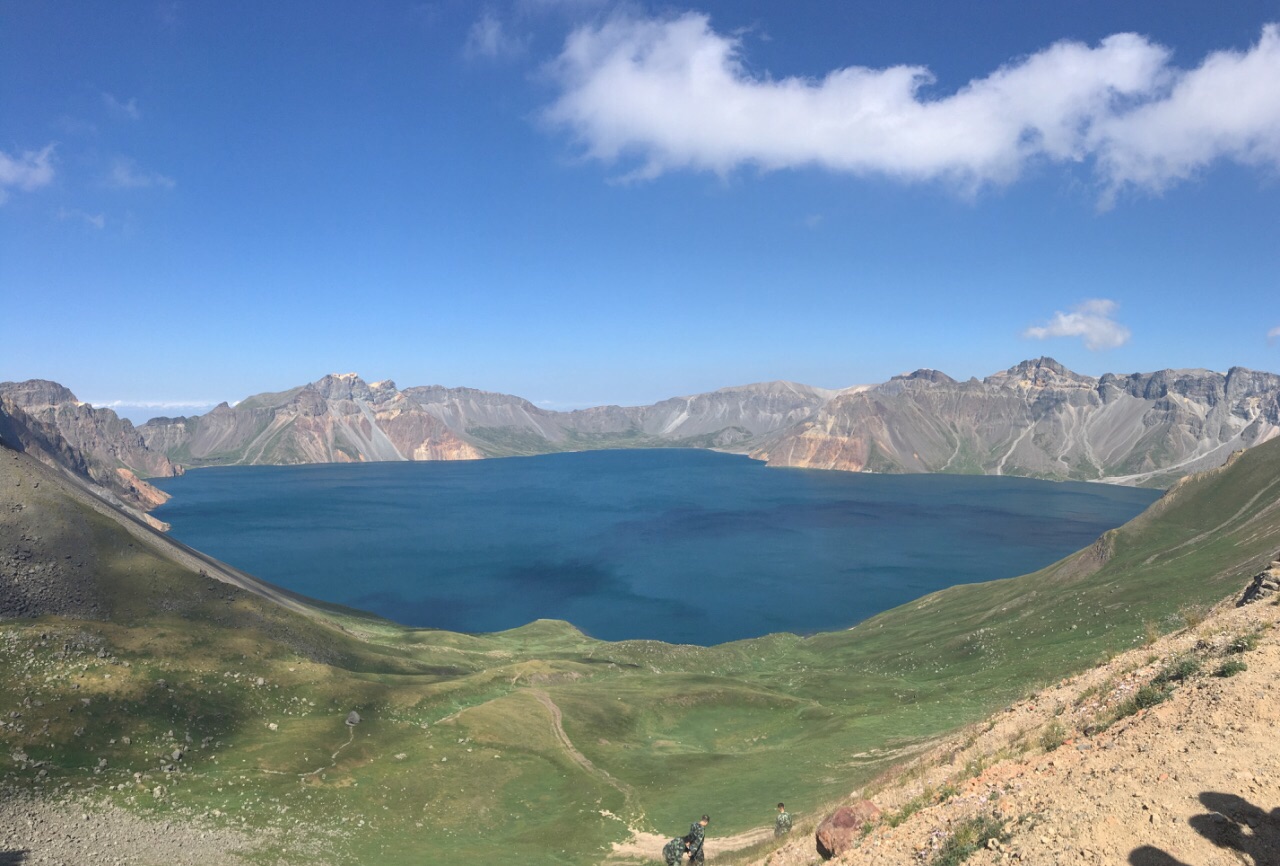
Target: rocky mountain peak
{"x": 35, "y": 393}
{"x": 925, "y": 374}
{"x": 342, "y": 386}
{"x": 1043, "y": 372}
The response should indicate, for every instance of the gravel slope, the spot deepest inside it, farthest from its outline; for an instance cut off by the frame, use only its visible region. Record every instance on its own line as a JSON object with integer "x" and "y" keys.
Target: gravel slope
{"x": 1194, "y": 779}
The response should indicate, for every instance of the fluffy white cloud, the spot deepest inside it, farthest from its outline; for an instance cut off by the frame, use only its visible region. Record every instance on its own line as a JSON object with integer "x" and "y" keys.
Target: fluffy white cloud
{"x": 125, "y": 174}
{"x": 1273, "y": 335}
{"x": 1091, "y": 320}
{"x": 674, "y": 94}
{"x": 29, "y": 170}
{"x": 1227, "y": 107}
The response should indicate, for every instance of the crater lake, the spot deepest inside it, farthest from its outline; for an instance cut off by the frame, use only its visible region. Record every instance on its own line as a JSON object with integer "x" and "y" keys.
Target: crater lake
{"x": 677, "y": 545}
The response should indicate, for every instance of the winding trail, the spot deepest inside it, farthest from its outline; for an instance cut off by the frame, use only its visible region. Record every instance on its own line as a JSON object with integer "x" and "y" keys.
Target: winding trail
{"x": 557, "y": 728}
{"x": 640, "y": 843}
{"x": 334, "y": 757}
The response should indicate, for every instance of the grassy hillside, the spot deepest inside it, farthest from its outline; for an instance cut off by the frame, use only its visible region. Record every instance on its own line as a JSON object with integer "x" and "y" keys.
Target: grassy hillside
{"x": 538, "y": 744}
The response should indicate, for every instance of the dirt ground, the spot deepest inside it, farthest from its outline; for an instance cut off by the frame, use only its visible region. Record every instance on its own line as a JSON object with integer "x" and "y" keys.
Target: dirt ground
{"x": 1191, "y": 781}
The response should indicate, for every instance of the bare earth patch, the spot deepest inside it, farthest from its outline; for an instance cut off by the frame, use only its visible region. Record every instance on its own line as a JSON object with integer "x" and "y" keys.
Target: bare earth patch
{"x": 1082, "y": 773}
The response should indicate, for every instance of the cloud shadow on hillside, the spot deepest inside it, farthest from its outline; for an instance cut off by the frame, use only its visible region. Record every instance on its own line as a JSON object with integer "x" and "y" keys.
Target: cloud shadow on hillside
{"x": 1232, "y": 822}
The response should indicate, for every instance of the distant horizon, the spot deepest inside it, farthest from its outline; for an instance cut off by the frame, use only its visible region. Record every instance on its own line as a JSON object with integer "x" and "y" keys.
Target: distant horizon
{"x": 587, "y": 202}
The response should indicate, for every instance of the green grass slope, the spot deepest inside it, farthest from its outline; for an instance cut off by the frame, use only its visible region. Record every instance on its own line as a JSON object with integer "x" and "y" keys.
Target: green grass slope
{"x": 537, "y": 745}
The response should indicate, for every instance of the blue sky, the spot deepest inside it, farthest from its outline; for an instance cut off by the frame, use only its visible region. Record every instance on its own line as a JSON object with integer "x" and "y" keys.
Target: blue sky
{"x": 589, "y": 202}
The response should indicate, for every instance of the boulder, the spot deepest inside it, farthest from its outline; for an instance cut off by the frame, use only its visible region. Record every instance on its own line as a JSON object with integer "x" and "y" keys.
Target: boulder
{"x": 842, "y": 828}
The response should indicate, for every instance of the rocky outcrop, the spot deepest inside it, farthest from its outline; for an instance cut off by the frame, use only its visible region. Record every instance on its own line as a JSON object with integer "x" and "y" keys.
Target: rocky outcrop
{"x": 732, "y": 418}
{"x": 840, "y": 831}
{"x": 1035, "y": 419}
{"x": 342, "y": 418}
{"x": 1039, "y": 419}
{"x": 1265, "y": 584}
{"x": 339, "y": 419}
{"x": 107, "y": 440}
{"x": 46, "y": 421}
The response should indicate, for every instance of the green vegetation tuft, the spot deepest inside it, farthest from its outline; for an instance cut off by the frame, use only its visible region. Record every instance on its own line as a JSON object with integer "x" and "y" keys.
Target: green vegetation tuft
{"x": 1242, "y": 643}
{"x": 1179, "y": 670}
{"x": 1053, "y": 736}
{"x": 968, "y": 838}
{"x": 924, "y": 799}
{"x": 1230, "y": 668}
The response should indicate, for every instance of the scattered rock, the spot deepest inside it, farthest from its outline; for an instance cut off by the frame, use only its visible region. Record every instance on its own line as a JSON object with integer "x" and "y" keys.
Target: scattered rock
{"x": 1263, "y": 585}
{"x": 839, "y": 830}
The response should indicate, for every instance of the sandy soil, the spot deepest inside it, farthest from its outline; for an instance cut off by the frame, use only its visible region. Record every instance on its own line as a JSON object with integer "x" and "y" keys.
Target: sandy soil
{"x": 1192, "y": 780}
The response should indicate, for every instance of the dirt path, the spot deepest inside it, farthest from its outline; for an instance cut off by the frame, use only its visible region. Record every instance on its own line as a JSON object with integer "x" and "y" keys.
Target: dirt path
{"x": 334, "y": 757}
{"x": 641, "y": 844}
{"x": 648, "y": 846}
{"x": 557, "y": 728}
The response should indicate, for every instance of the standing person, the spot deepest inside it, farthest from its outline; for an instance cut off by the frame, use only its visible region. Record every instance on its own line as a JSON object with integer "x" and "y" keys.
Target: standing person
{"x": 674, "y": 850}
{"x": 697, "y": 835}
{"x": 782, "y": 823}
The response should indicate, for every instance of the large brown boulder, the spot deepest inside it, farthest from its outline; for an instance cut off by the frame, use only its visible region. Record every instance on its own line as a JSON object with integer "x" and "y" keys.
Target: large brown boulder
{"x": 842, "y": 828}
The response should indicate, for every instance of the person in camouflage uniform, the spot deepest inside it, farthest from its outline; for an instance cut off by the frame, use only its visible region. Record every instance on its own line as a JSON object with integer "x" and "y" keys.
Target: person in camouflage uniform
{"x": 697, "y": 835}
{"x": 782, "y": 823}
{"x": 673, "y": 851}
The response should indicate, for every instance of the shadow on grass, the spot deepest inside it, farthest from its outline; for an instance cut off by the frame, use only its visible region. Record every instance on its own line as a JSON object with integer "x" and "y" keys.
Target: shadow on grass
{"x": 13, "y": 858}
{"x": 1233, "y": 823}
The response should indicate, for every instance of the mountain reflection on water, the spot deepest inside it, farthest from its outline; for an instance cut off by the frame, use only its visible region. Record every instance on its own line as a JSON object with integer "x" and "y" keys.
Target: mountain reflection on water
{"x": 678, "y": 545}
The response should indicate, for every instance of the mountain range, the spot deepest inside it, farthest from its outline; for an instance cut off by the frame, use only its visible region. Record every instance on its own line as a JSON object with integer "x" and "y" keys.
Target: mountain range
{"x": 1035, "y": 419}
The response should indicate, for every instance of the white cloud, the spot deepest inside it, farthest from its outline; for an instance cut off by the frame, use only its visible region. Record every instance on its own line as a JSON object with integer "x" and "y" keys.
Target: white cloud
{"x": 122, "y": 109}
{"x": 1226, "y": 108}
{"x": 1090, "y": 320}
{"x": 29, "y": 170}
{"x": 489, "y": 39}
{"x": 125, "y": 174}
{"x": 1273, "y": 335}
{"x": 674, "y": 94}
{"x": 154, "y": 404}
{"x": 98, "y": 221}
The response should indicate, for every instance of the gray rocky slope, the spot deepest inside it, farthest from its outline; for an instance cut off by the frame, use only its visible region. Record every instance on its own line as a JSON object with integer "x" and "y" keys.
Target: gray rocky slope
{"x": 1035, "y": 419}
{"x": 1039, "y": 419}
{"x": 94, "y": 446}
{"x": 343, "y": 418}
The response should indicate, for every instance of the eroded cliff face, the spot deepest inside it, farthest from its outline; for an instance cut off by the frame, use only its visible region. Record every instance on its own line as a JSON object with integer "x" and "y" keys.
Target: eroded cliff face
{"x": 338, "y": 419}
{"x": 1037, "y": 419}
{"x": 46, "y": 420}
{"x": 342, "y": 418}
{"x": 728, "y": 418}
{"x": 1040, "y": 419}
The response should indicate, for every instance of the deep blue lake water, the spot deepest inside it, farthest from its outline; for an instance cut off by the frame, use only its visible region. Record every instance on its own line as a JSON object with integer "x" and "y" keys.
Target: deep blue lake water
{"x": 679, "y": 545}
